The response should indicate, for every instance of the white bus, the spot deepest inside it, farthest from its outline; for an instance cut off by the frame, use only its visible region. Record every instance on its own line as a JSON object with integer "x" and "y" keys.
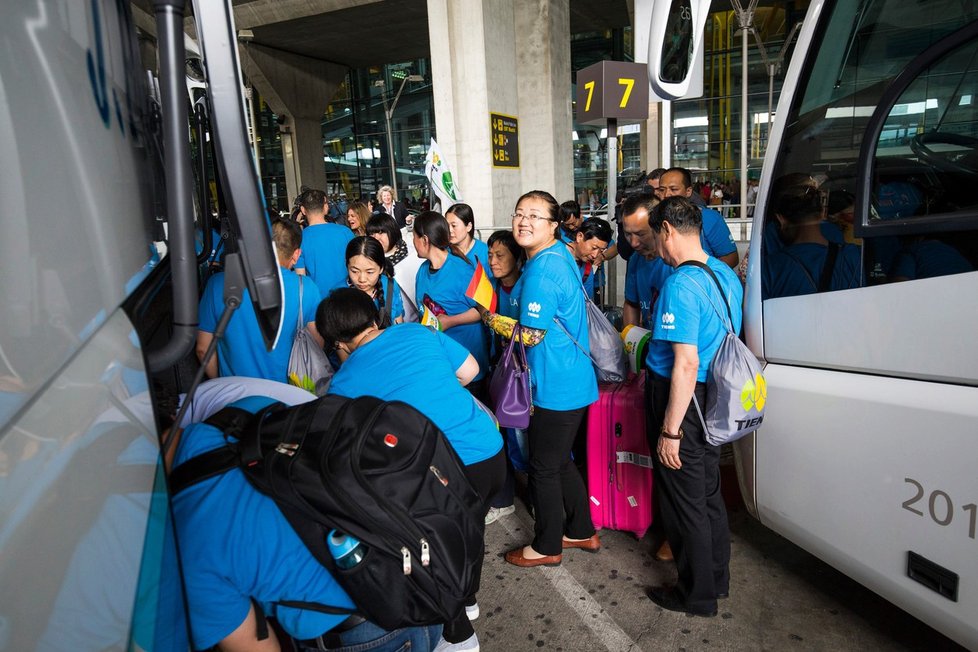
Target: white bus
{"x": 868, "y": 455}
{"x": 98, "y": 318}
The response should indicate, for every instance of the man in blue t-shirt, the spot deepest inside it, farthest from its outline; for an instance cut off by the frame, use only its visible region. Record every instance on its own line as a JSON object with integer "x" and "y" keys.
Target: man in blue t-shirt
{"x": 323, "y": 256}
{"x": 241, "y": 352}
{"x": 645, "y": 273}
{"x": 587, "y": 247}
{"x": 689, "y": 324}
{"x": 715, "y": 236}
{"x": 227, "y": 569}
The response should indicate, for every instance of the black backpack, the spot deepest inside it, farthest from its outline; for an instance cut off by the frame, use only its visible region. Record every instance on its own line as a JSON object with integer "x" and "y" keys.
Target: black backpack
{"x": 377, "y": 470}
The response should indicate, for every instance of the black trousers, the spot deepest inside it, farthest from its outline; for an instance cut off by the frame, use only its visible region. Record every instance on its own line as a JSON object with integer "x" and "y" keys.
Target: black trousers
{"x": 486, "y": 478}
{"x": 693, "y": 514}
{"x": 556, "y": 488}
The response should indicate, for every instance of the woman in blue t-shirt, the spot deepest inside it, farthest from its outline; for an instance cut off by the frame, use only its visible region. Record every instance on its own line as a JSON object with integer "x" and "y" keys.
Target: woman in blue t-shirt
{"x": 440, "y": 287}
{"x": 426, "y": 370}
{"x": 552, "y": 312}
{"x": 461, "y": 226}
{"x": 506, "y": 259}
{"x": 366, "y": 271}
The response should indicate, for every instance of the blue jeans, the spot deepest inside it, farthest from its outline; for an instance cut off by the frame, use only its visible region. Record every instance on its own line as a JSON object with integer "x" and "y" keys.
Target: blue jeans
{"x": 367, "y": 636}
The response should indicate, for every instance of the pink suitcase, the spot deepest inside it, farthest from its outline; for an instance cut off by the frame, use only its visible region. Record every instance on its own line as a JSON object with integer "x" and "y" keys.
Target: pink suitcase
{"x": 619, "y": 468}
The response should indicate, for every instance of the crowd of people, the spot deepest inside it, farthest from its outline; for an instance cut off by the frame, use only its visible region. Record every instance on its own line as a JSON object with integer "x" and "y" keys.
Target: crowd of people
{"x": 362, "y": 296}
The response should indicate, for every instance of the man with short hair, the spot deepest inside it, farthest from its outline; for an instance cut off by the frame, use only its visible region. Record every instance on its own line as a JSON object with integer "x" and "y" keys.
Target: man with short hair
{"x": 570, "y": 220}
{"x": 645, "y": 273}
{"x": 689, "y": 324}
{"x": 323, "y": 255}
{"x": 587, "y": 248}
{"x": 241, "y": 352}
{"x": 654, "y": 181}
{"x": 715, "y": 234}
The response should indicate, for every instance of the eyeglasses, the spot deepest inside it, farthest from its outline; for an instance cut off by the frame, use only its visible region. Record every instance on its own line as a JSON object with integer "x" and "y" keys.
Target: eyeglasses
{"x": 532, "y": 217}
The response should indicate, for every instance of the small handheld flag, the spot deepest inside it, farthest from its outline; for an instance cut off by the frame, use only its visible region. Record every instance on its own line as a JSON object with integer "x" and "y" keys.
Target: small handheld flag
{"x": 429, "y": 319}
{"x": 480, "y": 289}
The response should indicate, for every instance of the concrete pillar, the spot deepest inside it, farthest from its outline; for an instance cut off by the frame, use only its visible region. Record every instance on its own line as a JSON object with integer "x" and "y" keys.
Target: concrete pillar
{"x": 543, "y": 74}
{"x": 650, "y": 139}
{"x": 475, "y": 47}
{"x": 298, "y": 88}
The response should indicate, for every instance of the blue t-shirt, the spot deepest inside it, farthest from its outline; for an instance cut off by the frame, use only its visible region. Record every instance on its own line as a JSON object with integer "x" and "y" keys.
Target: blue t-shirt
{"x": 324, "y": 255}
{"x": 715, "y": 235}
{"x": 796, "y": 270}
{"x": 480, "y": 252}
{"x": 443, "y": 291}
{"x": 413, "y": 364}
{"x": 397, "y": 304}
{"x": 562, "y": 376}
{"x": 508, "y": 301}
{"x": 689, "y": 311}
{"x": 235, "y": 544}
{"x": 927, "y": 259}
{"x": 241, "y": 352}
{"x": 643, "y": 282}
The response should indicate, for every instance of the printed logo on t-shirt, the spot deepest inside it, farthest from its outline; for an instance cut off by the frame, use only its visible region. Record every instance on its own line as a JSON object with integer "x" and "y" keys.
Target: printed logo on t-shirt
{"x": 668, "y": 321}
{"x": 534, "y": 309}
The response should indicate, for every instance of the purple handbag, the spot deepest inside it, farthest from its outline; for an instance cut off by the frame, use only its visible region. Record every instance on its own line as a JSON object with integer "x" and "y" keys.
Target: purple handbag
{"x": 509, "y": 387}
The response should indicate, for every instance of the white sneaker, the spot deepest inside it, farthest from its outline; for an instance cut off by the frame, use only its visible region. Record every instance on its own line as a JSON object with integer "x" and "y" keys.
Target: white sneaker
{"x": 496, "y": 513}
{"x": 471, "y": 644}
{"x": 472, "y": 611}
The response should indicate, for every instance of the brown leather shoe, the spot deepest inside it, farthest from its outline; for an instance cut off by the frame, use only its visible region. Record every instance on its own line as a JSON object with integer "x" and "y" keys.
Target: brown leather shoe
{"x": 516, "y": 558}
{"x": 664, "y": 553}
{"x": 593, "y": 544}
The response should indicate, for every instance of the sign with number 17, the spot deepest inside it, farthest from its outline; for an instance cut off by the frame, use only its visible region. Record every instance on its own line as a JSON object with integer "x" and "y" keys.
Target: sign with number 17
{"x": 612, "y": 90}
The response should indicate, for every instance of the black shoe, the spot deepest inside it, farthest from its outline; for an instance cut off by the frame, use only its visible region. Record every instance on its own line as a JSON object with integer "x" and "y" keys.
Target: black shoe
{"x": 669, "y": 600}
{"x": 723, "y": 596}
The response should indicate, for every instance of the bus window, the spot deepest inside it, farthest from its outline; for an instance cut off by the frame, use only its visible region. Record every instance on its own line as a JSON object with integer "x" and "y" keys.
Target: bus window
{"x": 913, "y": 177}
{"x": 925, "y": 169}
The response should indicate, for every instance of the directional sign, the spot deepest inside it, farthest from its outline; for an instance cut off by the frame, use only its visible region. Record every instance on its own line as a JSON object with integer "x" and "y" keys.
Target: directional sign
{"x": 505, "y": 141}
{"x": 612, "y": 90}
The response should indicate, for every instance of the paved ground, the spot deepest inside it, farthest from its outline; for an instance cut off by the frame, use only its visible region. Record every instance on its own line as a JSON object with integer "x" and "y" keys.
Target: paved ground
{"x": 781, "y": 599}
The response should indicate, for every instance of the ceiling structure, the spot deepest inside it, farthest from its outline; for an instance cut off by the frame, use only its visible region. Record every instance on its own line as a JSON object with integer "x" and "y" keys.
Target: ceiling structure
{"x": 361, "y": 33}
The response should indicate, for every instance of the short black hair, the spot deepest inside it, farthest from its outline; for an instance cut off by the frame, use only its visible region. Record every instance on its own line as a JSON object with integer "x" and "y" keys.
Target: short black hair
{"x": 344, "y": 314}
{"x": 656, "y": 173}
{"x": 384, "y": 223}
{"x": 595, "y": 227}
{"x": 682, "y": 214}
{"x": 635, "y": 202}
{"x": 687, "y": 177}
{"x": 569, "y": 209}
{"x": 506, "y": 239}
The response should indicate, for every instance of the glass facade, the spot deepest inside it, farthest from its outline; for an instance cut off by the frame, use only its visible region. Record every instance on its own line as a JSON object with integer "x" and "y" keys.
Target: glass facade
{"x": 706, "y": 132}
{"x": 354, "y": 127}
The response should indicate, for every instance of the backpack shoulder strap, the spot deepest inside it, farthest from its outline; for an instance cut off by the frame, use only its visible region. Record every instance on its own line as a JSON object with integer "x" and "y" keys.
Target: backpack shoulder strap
{"x": 202, "y": 467}
{"x": 230, "y": 421}
{"x": 828, "y": 268}
{"x": 723, "y": 295}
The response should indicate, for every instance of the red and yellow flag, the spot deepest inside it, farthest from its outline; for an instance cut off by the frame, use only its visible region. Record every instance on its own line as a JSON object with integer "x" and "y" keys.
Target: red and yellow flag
{"x": 480, "y": 289}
